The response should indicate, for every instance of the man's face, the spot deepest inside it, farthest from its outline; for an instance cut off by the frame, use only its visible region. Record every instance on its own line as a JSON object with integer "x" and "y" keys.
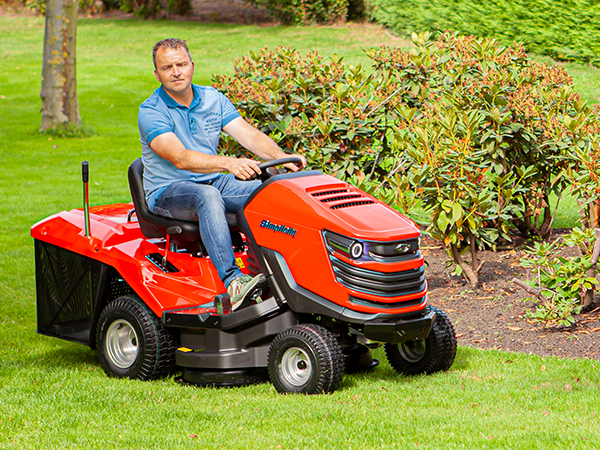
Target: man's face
{"x": 174, "y": 69}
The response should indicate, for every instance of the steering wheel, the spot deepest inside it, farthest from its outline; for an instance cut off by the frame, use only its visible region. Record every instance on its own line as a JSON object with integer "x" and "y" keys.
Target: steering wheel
{"x": 265, "y": 174}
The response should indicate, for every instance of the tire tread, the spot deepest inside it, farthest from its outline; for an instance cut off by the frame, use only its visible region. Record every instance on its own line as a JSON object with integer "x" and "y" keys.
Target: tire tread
{"x": 328, "y": 354}
{"x": 158, "y": 359}
{"x": 440, "y": 352}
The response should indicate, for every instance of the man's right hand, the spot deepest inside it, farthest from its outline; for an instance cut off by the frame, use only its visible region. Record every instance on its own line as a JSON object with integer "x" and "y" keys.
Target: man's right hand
{"x": 243, "y": 168}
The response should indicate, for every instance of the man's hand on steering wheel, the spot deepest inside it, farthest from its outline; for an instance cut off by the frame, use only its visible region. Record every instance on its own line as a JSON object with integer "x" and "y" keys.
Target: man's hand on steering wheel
{"x": 293, "y": 167}
{"x": 243, "y": 168}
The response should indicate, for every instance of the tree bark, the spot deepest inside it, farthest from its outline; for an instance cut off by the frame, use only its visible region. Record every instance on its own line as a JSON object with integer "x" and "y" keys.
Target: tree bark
{"x": 472, "y": 274}
{"x": 588, "y": 297}
{"x": 59, "y": 84}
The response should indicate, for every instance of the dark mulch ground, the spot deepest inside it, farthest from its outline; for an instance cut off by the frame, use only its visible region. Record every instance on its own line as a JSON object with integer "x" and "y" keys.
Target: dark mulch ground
{"x": 494, "y": 316}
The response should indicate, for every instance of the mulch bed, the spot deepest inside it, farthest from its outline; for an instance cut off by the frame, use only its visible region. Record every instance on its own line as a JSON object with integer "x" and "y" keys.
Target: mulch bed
{"x": 494, "y": 316}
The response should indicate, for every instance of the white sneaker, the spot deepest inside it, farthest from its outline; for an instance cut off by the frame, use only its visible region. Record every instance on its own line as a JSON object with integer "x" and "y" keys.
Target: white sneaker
{"x": 241, "y": 287}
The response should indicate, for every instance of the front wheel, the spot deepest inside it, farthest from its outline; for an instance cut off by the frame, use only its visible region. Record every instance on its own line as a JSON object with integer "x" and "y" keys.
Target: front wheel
{"x": 434, "y": 354}
{"x": 132, "y": 342}
{"x": 306, "y": 359}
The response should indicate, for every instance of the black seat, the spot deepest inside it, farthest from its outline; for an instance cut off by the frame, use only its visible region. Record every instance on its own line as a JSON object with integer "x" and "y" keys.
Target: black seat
{"x": 154, "y": 226}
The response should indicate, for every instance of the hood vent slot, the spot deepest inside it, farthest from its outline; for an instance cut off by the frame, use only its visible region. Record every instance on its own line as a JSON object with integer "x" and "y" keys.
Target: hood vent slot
{"x": 337, "y": 191}
{"x": 341, "y": 198}
{"x": 350, "y": 204}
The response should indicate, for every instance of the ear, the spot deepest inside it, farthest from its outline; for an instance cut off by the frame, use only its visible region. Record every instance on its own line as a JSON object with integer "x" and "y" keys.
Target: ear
{"x": 157, "y": 77}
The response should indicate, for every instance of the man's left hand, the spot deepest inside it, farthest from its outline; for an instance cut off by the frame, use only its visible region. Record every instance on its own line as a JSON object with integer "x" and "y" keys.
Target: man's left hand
{"x": 292, "y": 166}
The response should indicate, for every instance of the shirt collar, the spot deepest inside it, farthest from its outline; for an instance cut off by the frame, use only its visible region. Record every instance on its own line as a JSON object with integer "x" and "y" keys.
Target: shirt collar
{"x": 173, "y": 104}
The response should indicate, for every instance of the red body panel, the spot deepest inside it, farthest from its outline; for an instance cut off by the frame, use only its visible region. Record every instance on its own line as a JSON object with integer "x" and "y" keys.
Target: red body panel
{"x": 296, "y": 203}
{"x": 120, "y": 244}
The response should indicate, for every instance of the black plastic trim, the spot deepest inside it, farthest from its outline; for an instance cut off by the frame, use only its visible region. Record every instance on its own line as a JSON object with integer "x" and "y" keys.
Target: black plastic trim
{"x": 225, "y": 378}
{"x": 400, "y": 331}
{"x": 243, "y": 317}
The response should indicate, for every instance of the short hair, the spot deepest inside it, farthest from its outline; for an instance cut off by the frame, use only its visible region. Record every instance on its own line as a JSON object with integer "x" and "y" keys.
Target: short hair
{"x": 173, "y": 43}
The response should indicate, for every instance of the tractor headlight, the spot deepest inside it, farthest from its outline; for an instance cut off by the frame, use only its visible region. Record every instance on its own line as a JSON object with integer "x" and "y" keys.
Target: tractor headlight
{"x": 356, "y": 250}
{"x": 349, "y": 247}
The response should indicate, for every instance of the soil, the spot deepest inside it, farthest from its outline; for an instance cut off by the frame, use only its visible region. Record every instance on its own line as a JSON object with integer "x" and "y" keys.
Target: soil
{"x": 494, "y": 316}
{"x": 491, "y": 317}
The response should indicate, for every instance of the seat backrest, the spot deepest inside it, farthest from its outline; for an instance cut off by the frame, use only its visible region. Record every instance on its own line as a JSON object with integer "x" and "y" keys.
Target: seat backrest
{"x": 152, "y": 225}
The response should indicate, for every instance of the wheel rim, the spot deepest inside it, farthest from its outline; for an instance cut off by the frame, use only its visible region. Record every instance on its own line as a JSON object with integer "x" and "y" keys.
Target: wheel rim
{"x": 296, "y": 367}
{"x": 412, "y": 351}
{"x": 122, "y": 344}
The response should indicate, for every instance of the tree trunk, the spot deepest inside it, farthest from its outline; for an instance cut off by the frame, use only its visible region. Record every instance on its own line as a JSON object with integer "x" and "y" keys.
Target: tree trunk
{"x": 59, "y": 85}
{"x": 588, "y": 298}
{"x": 471, "y": 273}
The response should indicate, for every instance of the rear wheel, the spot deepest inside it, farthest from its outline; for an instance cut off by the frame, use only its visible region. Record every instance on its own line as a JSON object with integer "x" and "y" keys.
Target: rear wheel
{"x": 132, "y": 342}
{"x": 433, "y": 354}
{"x": 306, "y": 359}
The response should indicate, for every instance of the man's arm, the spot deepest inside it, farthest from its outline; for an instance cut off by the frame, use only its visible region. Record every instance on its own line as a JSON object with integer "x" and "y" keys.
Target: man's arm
{"x": 170, "y": 147}
{"x": 257, "y": 142}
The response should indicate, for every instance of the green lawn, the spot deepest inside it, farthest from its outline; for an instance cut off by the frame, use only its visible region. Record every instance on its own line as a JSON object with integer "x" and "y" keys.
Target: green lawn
{"x": 53, "y": 393}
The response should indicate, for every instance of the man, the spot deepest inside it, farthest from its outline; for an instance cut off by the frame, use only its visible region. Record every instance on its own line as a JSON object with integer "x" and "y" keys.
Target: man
{"x": 184, "y": 177}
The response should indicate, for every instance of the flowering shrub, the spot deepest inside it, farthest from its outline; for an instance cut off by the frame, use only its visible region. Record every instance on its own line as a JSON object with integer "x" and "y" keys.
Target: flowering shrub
{"x": 582, "y": 162}
{"x": 333, "y": 113}
{"x": 475, "y": 133}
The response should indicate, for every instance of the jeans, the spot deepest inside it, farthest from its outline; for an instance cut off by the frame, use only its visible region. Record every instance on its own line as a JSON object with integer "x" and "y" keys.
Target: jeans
{"x": 207, "y": 202}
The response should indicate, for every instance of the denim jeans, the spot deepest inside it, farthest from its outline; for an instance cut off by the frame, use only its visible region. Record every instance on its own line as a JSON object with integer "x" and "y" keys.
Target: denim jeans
{"x": 207, "y": 203}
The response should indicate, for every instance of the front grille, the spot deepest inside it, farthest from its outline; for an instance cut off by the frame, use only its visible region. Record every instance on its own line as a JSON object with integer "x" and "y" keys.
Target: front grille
{"x": 384, "y": 284}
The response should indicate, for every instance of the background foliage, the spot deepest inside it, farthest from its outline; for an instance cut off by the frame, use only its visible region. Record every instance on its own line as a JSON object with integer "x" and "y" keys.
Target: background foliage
{"x": 564, "y": 30}
{"x": 288, "y": 12}
{"x": 304, "y": 12}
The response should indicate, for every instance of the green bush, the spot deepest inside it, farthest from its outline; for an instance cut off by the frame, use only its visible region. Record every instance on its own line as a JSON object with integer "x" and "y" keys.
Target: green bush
{"x": 334, "y": 113}
{"x": 474, "y": 132}
{"x": 561, "y": 282}
{"x": 179, "y": 7}
{"x": 85, "y": 6}
{"x": 564, "y": 30}
{"x": 148, "y": 9}
{"x": 304, "y": 12}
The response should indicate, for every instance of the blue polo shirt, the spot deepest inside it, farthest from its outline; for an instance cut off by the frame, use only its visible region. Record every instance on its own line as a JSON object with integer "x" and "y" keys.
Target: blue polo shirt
{"x": 197, "y": 127}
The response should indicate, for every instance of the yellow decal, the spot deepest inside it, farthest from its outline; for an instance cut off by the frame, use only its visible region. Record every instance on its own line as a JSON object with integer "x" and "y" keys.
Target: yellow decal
{"x": 240, "y": 263}
{"x": 184, "y": 349}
